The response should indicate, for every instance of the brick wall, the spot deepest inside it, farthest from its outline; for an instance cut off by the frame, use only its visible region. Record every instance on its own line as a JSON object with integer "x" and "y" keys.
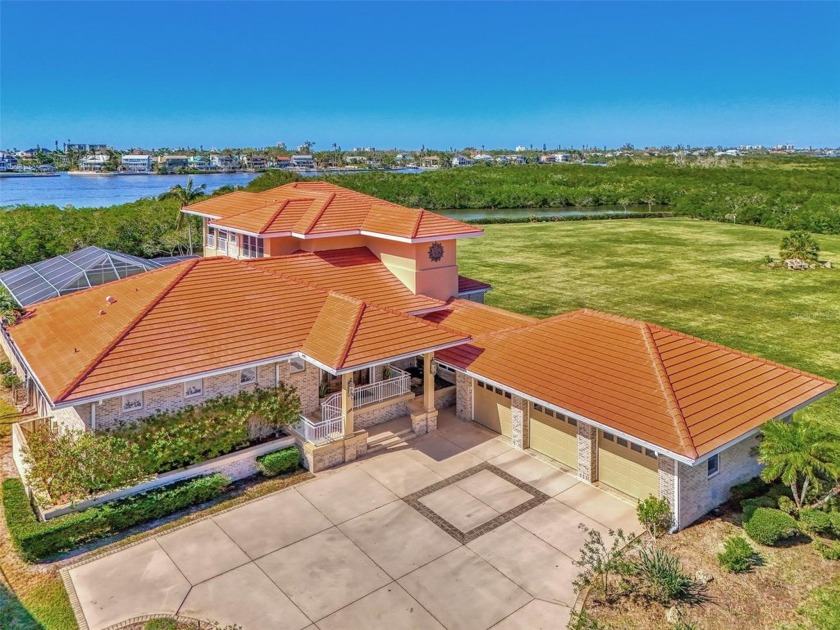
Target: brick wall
{"x": 363, "y": 419}
{"x": 587, "y": 452}
{"x": 699, "y": 494}
{"x": 464, "y": 396}
{"x": 667, "y": 476}
{"x": 170, "y": 397}
{"x": 519, "y": 422}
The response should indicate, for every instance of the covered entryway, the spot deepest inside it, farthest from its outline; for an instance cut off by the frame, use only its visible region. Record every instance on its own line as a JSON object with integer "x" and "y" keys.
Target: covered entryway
{"x": 492, "y": 407}
{"x": 627, "y": 467}
{"x": 554, "y": 435}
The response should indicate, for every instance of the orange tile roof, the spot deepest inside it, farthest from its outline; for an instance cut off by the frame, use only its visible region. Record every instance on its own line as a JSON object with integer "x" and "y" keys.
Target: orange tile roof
{"x": 476, "y": 319}
{"x": 673, "y": 391}
{"x": 201, "y": 316}
{"x": 320, "y": 208}
{"x": 355, "y": 272}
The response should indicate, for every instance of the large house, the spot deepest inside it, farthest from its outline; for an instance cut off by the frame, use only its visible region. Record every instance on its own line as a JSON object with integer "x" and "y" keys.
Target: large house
{"x": 358, "y": 303}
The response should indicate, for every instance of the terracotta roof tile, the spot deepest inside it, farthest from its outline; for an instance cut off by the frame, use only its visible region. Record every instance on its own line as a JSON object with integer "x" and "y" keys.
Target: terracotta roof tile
{"x": 476, "y": 319}
{"x": 677, "y": 392}
{"x": 321, "y": 208}
{"x": 467, "y": 285}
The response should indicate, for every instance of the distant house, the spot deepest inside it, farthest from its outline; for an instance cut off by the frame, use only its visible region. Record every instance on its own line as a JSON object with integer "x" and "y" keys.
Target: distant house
{"x": 97, "y": 148}
{"x": 169, "y": 162}
{"x": 254, "y": 162}
{"x": 462, "y": 160}
{"x": 28, "y": 154}
{"x": 302, "y": 161}
{"x": 482, "y": 157}
{"x": 94, "y": 162}
{"x": 283, "y": 161}
{"x": 562, "y": 157}
{"x": 199, "y": 162}
{"x": 223, "y": 162}
{"x": 7, "y": 162}
{"x": 356, "y": 159}
{"x": 430, "y": 161}
{"x": 519, "y": 148}
{"x": 136, "y": 163}
{"x": 76, "y": 148}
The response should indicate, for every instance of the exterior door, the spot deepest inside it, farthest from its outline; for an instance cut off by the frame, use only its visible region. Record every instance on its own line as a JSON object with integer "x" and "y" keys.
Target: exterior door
{"x": 627, "y": 467}
{"x": 492, "y": 408}
{"x": 554, "y": 435}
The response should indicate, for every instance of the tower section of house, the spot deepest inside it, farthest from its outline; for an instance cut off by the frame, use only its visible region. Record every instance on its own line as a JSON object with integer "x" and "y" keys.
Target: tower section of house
{"x": 417, "y": 246}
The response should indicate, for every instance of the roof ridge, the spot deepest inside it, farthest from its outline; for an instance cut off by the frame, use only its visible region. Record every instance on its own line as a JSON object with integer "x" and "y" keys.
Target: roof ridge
{"x": 680, "y": 424}
{"x": 189, "y": 266}
{"x": 417, "y": 222}
{"x": 529, "y": 325}
{"x": 361, "y": 307}
{"x": 324, "y": 204}
{"x": 274, "y": 215}
{"x": 713, "y": 344}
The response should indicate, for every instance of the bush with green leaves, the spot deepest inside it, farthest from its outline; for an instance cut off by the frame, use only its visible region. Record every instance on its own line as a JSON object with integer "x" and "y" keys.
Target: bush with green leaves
{"x": 74, "y": 465}
{"x": 655, "y": 516}
{"x": 173, "y": 439}
{"x": 11, "y": 381}
{"x": 768, "y": 526}
{"x": 279, "y": 462}
{"x": 36, "y": 540}
{"x": 815, "y": 521}
{"x": 801, "y": 245}
{"x": 664, "y": 577}
{"x": 828, "y": 551}
{"x": 748, "y": 506}
{"x": 600, "y": 563}
{"x": 748, "y": 489}
{"x": 5, "y": 367}
{"x": 737, "y": 555}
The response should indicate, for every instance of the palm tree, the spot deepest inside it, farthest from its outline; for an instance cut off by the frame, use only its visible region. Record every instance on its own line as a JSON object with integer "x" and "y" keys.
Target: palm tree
{"x": 185, "y": 196}
{"x": 800, "y": 454}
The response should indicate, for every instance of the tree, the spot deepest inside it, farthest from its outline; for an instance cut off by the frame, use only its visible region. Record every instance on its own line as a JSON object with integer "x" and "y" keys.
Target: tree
{"x": 655, "y": 516}
{"x": 802, "y": 454}
{"x": 598, "y": 562}
{"x": 799, "y": 245}
{"x": 624, "y": 202}
{"x": 185, "y": 196}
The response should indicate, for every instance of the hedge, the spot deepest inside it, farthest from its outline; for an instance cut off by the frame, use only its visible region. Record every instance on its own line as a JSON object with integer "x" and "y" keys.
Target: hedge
{"x": 749, "y": 506}
{"x": 279, "y": 462}
{"x": 554, "y": 218}
{"x": 747, "y": 490}
{"x": 768, "y": 526}
{"x": 36, "y": 540}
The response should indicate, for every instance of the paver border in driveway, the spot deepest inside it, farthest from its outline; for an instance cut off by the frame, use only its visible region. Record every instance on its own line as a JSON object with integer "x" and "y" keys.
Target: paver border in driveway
{"x": 413, "y": 500}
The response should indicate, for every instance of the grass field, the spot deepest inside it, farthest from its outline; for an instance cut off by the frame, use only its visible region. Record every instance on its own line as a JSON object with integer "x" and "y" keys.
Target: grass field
{"x": 703, "y": 278}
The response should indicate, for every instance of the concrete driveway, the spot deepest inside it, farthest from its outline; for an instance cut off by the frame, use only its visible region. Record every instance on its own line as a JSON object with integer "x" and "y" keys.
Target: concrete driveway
{"x": 456, "y": 531}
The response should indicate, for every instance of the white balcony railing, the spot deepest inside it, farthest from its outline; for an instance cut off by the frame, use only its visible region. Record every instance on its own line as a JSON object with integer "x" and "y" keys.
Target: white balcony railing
{"x": 398, "y": 384}
{"x": 319, "y": 432}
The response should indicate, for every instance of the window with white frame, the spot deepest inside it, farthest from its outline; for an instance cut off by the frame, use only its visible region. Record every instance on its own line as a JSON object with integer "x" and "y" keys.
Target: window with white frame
{"x": 248, "y": 376}
{"x": 223, "y": 241}
{"x": 132, "y": 402}
{"x": 713, "y": 465}
{"x": 211, "y": 237}
{"x": 194, "y": 388}
{"x": 297, "y": 365}
{"x": 252, "y": 247}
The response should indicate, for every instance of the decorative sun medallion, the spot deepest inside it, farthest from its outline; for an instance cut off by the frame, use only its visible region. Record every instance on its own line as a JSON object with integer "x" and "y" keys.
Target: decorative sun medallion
{"x": 435, "y": 252}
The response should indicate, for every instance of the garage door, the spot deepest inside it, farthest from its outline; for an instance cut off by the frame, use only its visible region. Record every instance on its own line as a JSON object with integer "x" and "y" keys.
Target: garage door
{"x": 492, "y": 408}
{"x": 627, "y": 467}
{"x": 554, "y": 435}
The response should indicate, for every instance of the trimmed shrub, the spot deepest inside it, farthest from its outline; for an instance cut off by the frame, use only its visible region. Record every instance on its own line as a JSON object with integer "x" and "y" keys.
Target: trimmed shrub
{"x": 36, "y": 540}
{"x": 279, "y": 462}
{"x": 5, "y": 367}
{"x": 655, "y": 516}
{"x": 747, "y": 490}
{"x": 815, "y": 521}
{"x": 664, "y": 575}
{"x": 737, "y": 555}
{"x": 829, "y": 552}
{"x": 787, "y": 505}
{"x": 767, "y": 526}
{"x": 751, "y": 505}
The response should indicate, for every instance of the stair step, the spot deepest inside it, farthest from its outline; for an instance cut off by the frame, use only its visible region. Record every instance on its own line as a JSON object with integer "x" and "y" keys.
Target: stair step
{"x": 390, "y": 440}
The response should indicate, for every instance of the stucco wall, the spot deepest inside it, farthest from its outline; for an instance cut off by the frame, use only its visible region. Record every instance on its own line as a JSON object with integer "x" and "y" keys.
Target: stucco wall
{"x": 699, "y": 494}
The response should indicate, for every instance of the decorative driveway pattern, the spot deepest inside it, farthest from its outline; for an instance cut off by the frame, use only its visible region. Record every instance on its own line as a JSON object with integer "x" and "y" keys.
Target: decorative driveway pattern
{"x": 455, "y": 531}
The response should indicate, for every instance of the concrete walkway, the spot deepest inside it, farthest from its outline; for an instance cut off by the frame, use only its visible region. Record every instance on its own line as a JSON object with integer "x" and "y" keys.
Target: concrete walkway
{"x": 456, "y": 531}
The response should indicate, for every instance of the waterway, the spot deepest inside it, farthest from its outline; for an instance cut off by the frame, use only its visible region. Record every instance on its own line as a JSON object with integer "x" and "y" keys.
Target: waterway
{"x": 96, "y": 191}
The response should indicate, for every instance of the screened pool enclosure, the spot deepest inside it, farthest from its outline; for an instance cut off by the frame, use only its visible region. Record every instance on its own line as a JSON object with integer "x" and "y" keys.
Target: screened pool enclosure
{"x": 75, "y": 271}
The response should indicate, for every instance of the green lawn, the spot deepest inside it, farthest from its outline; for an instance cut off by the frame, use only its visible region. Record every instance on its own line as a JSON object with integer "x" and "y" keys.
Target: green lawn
{"x": 703, "y": 278}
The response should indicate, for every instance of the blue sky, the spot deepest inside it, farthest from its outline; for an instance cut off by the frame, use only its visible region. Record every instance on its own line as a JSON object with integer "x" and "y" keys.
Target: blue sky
{"x": 405, "y": 74}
